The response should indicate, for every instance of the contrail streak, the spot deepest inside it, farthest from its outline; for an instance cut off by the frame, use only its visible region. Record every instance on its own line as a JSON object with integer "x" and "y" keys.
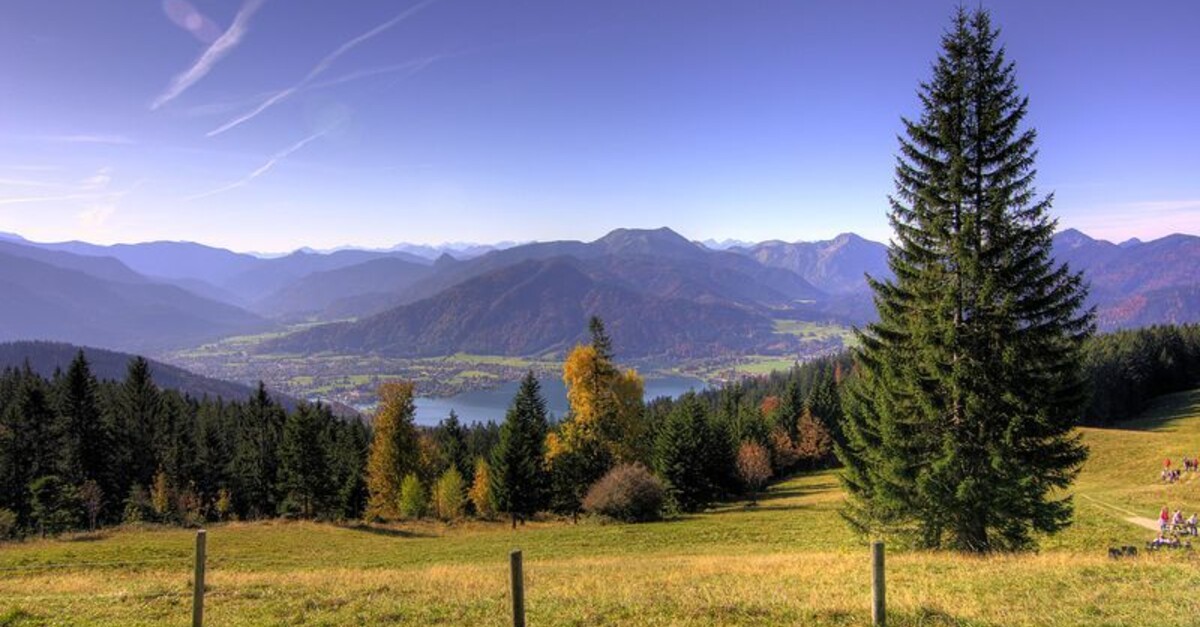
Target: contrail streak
{"x": 260, "y": 170}
{"x": 319, "y": 68}
{"x": 214, "y": 53}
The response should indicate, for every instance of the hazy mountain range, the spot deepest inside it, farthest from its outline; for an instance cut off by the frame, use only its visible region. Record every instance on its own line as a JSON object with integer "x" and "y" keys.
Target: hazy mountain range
{"x": 660, "y": 293}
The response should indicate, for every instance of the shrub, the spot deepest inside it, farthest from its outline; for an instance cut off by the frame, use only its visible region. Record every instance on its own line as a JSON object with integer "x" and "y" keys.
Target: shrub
{"x": 784, "y": 453}
{"x": 628, "y": 493}
{"x": 448, "y": 498}
{"x": 224, "y": 504}
{"x": 8, "y": 524}
{"x": 160, "y": 496}
{"x": 137, "y": 505}
{"x": 413, "y": 500}
{"x": 815, "y": 444}
{"x": 753, "y": 467}
{"x": 54, "y": 505}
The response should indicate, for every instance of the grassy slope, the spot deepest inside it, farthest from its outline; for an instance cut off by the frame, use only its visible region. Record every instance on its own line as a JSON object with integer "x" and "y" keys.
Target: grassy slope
{"x": 790, "y": 560}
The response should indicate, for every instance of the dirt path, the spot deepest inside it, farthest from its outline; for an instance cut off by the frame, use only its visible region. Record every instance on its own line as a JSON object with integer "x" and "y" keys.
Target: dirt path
{"x": 1128, "y": 516}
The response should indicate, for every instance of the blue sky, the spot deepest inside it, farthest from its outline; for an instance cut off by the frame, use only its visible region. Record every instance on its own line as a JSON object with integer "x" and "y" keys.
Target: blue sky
{"x": 273, "y": 124}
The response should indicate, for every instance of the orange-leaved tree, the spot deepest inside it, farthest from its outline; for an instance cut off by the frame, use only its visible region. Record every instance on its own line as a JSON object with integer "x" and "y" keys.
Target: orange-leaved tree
{"x": 394, "y": 450}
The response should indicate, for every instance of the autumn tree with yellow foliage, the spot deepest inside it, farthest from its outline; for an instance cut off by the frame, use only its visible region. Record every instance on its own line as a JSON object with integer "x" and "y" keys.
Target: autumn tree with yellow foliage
{"x": 394, "y": 450}
{"x": 606, "y": 402}
{"x": 606, "y": 424}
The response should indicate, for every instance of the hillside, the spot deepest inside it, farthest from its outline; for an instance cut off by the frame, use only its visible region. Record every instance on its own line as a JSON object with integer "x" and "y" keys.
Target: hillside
{"x": 51, "y": 302}
{"x": 325, "y": 294}
{"x": 46, "y": 357}
{"x": 789, "y": 560}
{"x": 837, "y": 266}
{"x": 535, "y": 307}
{"x": 1137, "y": 283}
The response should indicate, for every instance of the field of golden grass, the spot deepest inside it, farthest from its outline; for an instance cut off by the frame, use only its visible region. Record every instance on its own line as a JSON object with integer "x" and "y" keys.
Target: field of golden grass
{"x": 789, "y": 560}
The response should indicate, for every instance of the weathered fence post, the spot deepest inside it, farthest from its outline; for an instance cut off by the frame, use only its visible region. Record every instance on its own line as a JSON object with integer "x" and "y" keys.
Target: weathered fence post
{"x": 518, "y": 589}
{"x": 198, "y": 580}
{"x": 878, "y": 587}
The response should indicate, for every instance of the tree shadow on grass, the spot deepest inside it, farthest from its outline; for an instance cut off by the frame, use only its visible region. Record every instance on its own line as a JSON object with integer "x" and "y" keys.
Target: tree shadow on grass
{"x": 1162, "y": 414}
{"x": 780, "y": 499}
{"x": 87, "y": 536}
{"x": 923, "y": 617}
{"x": 388, "y": 532}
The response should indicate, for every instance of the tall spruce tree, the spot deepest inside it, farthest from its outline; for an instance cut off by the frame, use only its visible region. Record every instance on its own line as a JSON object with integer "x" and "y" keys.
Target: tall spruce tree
{"x": 959, "y": 429}
{"x": 451, "y": 439}
{"x": 520, "y": 482}
{"x": 682, "y": 458}
{"x": 255, "y": 462}
{"x": 84, "y": 443}
{"x": 139, "y": 416}
{"x": 304, "y": 452}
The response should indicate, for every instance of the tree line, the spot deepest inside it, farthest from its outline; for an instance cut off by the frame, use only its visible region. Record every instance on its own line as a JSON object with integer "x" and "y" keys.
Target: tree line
{"x": 611, "y": 455}
{"x": 1126, "y": 369}
{"x": 78, "y": 453}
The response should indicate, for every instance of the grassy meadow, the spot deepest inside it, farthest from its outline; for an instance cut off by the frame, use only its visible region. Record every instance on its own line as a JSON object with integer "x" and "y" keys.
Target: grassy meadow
{"x": 788, "y": 560}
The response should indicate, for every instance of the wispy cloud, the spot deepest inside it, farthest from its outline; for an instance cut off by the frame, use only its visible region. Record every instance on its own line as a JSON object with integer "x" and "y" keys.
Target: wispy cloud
{"x": 211, "y": 55}
{"x": 260, "y": 170}
{"x": 96, "y": 216}
{"x": 22, "y": 200}
{"x": 89, "y": 138}
{"x": 410, "y": 67}
{"x": 4, "y": 182}
{"x": 94, "y": 188}
{"x": 320, "y": 68}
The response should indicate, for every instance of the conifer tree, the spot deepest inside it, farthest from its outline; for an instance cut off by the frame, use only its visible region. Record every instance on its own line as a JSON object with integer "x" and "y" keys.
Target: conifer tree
{"x": 83, "y": 439}
{"x": 791, "y": 405}
{"x": 393, "y": 453}
{"x": 255, "y": 464}
{"x": 958, "y": 432}
{"x": 680, "y": 455}
{"x": 140, "y": 414}
{"x": 451, "y": 439}
{"x": 348, "y": 462}
{"x": 518, "y": 472}
{"x": 304, "y": 460}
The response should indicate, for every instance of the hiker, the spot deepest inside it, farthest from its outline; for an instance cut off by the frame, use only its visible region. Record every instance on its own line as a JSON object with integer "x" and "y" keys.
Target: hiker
{"x": 1191, "y": 524}
{"x": 1167, "y": 463}
{"x": 1177, "y": 519}
{"x": 1164, "y": 519}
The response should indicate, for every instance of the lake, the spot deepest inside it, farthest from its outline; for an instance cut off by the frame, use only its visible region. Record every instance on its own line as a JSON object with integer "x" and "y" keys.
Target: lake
{"x": 484, "y": 405}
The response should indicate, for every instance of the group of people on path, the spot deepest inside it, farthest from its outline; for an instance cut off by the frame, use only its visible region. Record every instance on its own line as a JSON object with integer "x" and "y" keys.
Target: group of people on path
{"x": 1172, "y": 526}
{"x": 1173, "y": 475}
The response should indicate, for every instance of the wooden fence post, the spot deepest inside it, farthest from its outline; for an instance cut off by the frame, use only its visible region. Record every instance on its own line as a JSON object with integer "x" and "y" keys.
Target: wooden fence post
{"x": 198, "y": 581}
{"x": 878, "y": 587}
{"x": 518, "y": 589}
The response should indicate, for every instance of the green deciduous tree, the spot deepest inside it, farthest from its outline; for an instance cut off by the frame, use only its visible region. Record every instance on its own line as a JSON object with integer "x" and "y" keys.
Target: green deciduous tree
{"x": 413, "y": 501}
{"x": 959, "y": 430}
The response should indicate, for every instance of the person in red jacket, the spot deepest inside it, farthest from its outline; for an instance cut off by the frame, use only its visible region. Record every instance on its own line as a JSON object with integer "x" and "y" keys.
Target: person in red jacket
{"x": 1164, "y": 518}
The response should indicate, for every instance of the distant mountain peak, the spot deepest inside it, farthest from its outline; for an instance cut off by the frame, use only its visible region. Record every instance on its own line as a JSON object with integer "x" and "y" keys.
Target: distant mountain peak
{"x": 1130, "y": 243}
{"x": 660, "y": 241}
{"x": 1072, "y": 238}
